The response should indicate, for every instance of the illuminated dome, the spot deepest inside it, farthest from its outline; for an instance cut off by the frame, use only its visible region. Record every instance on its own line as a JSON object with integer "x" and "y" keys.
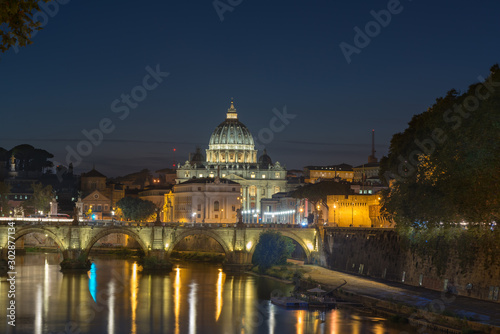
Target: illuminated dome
{"x": 231, "y": 142}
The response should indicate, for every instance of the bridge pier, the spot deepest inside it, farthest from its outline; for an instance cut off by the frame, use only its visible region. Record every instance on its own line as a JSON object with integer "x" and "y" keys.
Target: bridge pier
{"x": 238, "y": 261}
{"x": 75, "y": 259}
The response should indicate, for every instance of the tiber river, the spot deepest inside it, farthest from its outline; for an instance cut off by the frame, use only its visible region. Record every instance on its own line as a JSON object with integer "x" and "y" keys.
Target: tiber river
{"x": 115, "y": 297}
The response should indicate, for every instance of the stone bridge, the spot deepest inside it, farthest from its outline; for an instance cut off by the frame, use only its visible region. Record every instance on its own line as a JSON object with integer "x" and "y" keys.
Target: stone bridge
{"x": 237, "y": 240}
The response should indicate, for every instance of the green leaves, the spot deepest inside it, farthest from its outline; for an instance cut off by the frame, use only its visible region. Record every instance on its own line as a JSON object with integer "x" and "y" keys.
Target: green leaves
{"x": 446, "y": 162}
{"x": 318, "y": 192}
{"x": 136, "y": 209}
{"x": 272, "y": 249}
{"x": 40, "y": 201}
{"x": 16, "y": 24}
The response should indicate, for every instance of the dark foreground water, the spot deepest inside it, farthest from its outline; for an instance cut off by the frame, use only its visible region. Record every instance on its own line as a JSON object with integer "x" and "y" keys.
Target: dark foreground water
{"x": 115, "y": 297}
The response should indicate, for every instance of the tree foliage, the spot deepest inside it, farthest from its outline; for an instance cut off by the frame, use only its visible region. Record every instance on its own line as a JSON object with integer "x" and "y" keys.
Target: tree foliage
{"x": 40, "y": 201}
{"x": 136, "y": 209}
{"x": 272, "y": 249}
{"x": 16, "y": 22}
{"x": 317, "y": 193}
{"x": 4, "y": 199}
{"x": 445, "y": 164}
{"x": 31, "y": 159}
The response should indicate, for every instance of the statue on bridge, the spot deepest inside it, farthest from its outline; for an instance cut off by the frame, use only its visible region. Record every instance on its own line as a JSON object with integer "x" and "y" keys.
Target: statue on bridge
{"x": 240, "y": 217}
{"x": 158, "y": 219}
{"x": 76, "y": 215}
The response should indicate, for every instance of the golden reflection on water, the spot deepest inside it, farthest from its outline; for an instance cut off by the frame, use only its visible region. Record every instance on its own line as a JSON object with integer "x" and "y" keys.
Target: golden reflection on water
{"x": 177, "y": 297}
{"x": 220, "y": 283}
{"x": 118, "y": 299}
{"x": 334, "y": 326}
{"x": 300, "y": 321}
{"x": 133, "y": 298}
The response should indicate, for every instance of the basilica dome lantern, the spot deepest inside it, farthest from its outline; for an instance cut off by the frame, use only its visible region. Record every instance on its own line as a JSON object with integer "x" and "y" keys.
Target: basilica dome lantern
{"x": 231, "y": 142}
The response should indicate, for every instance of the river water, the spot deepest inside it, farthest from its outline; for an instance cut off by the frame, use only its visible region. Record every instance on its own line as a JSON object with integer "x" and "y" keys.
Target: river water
{"x": 115, "y": 297}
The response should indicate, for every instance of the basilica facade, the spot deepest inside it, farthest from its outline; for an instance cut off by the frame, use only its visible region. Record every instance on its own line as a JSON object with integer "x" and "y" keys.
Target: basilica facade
{"x": 231, "y": 155}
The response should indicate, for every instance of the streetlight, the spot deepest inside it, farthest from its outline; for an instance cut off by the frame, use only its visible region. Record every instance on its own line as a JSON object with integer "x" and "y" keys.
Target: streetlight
{"x": 194, "y": 217}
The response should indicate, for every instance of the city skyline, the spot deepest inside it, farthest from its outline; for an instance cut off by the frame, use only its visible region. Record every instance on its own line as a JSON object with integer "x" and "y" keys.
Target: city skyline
{"x": 318, "y": 61}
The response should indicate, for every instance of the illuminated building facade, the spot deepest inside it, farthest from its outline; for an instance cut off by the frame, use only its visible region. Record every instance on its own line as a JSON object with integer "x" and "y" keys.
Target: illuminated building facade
{"x": 231, "y": 155}
{"x": 320, "y": 173}
{"x": 204, "y": 200}
{"x": 356, "y": 211}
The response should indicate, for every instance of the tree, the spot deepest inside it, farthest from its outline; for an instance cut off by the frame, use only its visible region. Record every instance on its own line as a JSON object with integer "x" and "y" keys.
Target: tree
{"x": 136, "y": 209}
{"x": 31, "y": 159}
{"x": 272, "y": 249}
{"x": 16, "y": 22}
{"x": 4, "y": 199}
{"x": 40, "y": 201}
{"x": 317, "y": 193}
{"x": 445, "y": 164}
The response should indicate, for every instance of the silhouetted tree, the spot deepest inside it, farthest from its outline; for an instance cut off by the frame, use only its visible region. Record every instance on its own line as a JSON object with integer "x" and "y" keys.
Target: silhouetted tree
{"x": 40, "y": 201}
{"x": 272, "y": 249}
{"x": 17, "y": 25}
{"x": 445, "y": 164}
{"x": 136, "y": 208}
{"x": 4, "y": 200}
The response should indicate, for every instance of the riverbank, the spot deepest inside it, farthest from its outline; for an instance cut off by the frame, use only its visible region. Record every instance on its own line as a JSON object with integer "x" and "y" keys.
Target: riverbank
{"x": 422, "y": 307}
{"x": 195, "y": 256}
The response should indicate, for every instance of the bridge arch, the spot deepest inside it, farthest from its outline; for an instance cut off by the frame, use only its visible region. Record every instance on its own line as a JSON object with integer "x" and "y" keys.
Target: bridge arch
{"x": 292, "y": 236}
{"x": 111, "y": 230}
{"x": 208, "y": 233}
{"x": 27, "y": 230}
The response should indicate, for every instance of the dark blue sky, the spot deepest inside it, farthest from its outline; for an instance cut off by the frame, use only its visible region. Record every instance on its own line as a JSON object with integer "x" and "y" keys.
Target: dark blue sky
{"x": 265, "y": 54}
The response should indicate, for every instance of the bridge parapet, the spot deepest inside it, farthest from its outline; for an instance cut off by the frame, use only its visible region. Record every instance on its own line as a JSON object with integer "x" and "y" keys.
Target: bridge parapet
{"x": 237, "y": 240}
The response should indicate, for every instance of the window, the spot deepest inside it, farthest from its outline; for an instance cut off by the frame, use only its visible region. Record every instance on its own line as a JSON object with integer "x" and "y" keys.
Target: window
{"x": 277, "y": 175}
{"x": 199, "y": 188}
{"x": 263, "y": 176}
{"x": 99, "y": 208}
{"x": 276, "y": 190}
{"x": 199, "y": 208}
{"x": 234, "y": 189}
{"x": 106, "y": 207}
{"x": 199, "y": 215}
{"x": 200, "y": 175}
{"x": 186, "y": 174}
{"x": 252, "y": 175}
{"x": 233, "y": 208}
{"x": 223, "y": 175}
{"x": 252, "y": 190}
{"x": 216, "y": 216}
{"x": 216, "y": 206}
{"x": 263, "y": 191}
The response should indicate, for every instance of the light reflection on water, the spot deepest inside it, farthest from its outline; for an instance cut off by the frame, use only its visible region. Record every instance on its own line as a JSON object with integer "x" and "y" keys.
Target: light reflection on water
{"x": 115, "y": 297}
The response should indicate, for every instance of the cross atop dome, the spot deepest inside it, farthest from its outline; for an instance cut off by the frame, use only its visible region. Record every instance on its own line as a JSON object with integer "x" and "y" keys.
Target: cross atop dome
{"x": 231, "y": 112}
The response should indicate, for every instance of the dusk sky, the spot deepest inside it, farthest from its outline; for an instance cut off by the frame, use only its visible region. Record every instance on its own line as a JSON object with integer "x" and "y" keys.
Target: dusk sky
{"x": 266, "y": 54}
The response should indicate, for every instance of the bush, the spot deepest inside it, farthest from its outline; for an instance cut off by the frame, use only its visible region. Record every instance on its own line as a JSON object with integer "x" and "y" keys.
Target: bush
{"x": 272, "y": 249}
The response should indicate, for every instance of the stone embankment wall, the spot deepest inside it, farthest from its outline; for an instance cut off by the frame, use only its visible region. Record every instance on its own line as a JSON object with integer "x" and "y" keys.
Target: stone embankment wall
{"x": 380, "y": 253}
